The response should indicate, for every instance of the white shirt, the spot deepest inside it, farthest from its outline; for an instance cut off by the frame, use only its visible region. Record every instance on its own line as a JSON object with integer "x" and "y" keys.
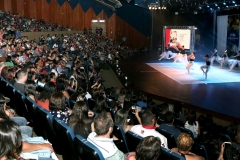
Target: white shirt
{"x": 105, "y": 145}
{"x": 143, "y": 132}
{"x": 88, "y": 95}
{"x": 55, "y": 72}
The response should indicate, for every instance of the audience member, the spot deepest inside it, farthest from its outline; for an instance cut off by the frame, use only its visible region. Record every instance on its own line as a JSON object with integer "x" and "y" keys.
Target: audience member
{"x": 184, "y": 145}
{"x": 57, "y": 107}
{"x": 168, "y": 125}
{"x": 192, "y": 124}
{"x": 21, "y": 78}
{"x": 30, "y": 89}
{"x": 147, "y": 128}
{"x": 43, "y": 99}
{"x": 147, "y": 149}
{"x": 100, "y": 137}
{"x": 80, "y": 120}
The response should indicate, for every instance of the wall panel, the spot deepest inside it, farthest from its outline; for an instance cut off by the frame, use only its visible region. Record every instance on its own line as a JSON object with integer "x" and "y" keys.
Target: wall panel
{"x": 14, "y": 6}
{"x": 20, "y": 6}
{"x": 1, "y": 5}
{"x": 8, "y": 6}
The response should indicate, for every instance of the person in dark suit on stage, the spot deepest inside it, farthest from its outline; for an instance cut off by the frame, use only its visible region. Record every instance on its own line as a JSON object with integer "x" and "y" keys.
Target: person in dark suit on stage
{"x": 206, "y": 67}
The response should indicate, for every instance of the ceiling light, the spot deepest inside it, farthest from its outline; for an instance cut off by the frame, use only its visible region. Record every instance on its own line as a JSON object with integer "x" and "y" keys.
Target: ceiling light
{"x": 208, "y": 6}
{"x": 233, "y": 1}
{"x": 216, "y": 4}
{"x": 224, "y": 3}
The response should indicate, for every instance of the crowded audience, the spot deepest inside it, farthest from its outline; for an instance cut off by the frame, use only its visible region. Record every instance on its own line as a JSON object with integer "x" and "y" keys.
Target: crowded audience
{"x": 62, "y": 74}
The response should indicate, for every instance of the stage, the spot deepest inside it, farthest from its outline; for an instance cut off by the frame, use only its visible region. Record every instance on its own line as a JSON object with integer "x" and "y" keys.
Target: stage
{"x": 217, "y": 95}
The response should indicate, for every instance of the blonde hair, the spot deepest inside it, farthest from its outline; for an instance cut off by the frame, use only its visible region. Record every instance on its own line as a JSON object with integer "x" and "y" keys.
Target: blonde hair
{"x": 184, "y": 142}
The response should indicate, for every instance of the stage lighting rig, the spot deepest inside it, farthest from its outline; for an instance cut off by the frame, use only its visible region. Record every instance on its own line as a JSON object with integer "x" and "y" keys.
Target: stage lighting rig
{"x": 105, "y": 4}
{"x": 117, "y": 3}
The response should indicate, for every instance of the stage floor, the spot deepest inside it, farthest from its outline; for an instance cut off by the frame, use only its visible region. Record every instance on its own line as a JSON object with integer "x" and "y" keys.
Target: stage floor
{"x": 218, "y": 95}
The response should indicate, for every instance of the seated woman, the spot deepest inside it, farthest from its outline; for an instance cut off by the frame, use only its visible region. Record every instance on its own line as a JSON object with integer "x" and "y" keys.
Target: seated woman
{"x": 101, "y": 104}
{"x": 11, "y": 142}
{"x": 149, "y": 148}
{"x": 9, "y": 114}
{"x": 30, "y": 89}
{"x": 192, "y": 124}
{"x": 122, "y": 118}
{"x": 184, "y": 145}
{"x": 81, "y": 119}
{"x": 43, "y": 99}
{"x": 61, "y": 87}
{"x": 8, "y": 74}
{"x": 41, "y": 81}
{"x": 57, "y": 107}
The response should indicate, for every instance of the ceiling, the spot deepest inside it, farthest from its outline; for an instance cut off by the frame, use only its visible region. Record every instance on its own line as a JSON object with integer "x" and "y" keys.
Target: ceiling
{"x": 190, "y": 5}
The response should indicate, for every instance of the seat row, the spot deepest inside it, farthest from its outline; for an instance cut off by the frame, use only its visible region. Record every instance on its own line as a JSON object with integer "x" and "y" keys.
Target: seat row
{"x": 61, "y": 136}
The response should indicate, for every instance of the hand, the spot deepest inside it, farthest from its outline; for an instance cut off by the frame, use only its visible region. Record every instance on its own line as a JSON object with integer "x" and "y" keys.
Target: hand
{"x": 9, "y": 113}
{"x": 80, "y": 98}
{"x": 47, "y": 146}
{"x": 136, "y": 112}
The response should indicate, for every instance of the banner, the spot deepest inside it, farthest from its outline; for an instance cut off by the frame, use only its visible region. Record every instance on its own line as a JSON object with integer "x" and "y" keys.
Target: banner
{"x": 177, "y": 38}
{"x": 233, "y": 35}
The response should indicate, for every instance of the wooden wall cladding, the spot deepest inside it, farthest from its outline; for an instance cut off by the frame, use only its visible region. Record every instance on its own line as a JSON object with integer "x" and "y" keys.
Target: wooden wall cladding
{"x": 74, "y": 18}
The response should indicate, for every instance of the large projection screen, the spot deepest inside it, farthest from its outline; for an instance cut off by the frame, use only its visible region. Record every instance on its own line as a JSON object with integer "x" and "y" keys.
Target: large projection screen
{"x": 177, "y": 38}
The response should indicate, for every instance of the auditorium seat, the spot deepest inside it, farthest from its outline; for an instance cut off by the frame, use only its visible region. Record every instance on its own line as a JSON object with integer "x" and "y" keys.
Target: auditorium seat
{"x": 86, "y": 150}
{"x": 9, "y": 91}
{"x": 201, "y": 151}
{"x": 170, "y": 138}
{"x": 132, "y": 140}
{"x": 31, "y": 107}
{"x": 109, "y": 109}
{"x": 65, "y": 137}
{"x": 185, "y": 130}
{"x": 47, "y": 128}
{"x": 20, "y": 107}
{"x": 121, "y": 143}
{"x": 167, "y": 154}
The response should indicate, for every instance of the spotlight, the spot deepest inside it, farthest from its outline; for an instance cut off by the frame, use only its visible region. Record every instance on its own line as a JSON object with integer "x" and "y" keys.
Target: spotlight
{"x": 126, "y": 77}
{"x": 195, "y": 12}
{"x": 216, "y": 4}
{"x": 208, "y": 6}
{"x": 176, "y": 13}
{"x": 200, "y": 7}
{"x": 224, "y": 3}
{"x": 226, "y": 6}
{"x": 149, "y": 7}
{"x": 233, "y": 1}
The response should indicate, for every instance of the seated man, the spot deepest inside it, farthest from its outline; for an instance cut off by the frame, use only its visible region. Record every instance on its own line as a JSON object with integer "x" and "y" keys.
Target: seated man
{"x": 147, "y": 128}
{"x": 100, "y": 137}
{"x": 20, "y": 80}
{"x": 184, "y": 145}
{"x": 168, "y": 125}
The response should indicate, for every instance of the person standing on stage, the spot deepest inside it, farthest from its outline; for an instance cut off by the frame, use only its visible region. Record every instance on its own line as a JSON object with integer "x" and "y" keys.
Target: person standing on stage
{"x": 207, "y": 66}
{"x": 184, "y": 55}
{"x": 236, "y": 61}
{"x": 191, "y": 60}
{"x": 224, "y": 58}
{"x": 214, "y": 56}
